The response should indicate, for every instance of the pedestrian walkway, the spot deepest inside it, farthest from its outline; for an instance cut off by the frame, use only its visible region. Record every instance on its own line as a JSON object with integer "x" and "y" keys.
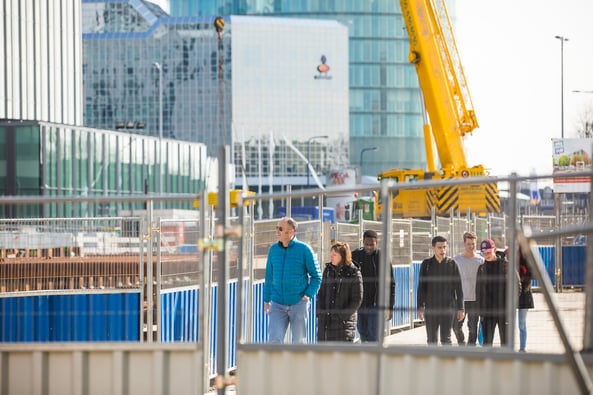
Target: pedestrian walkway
{"x": 542, "y": 335}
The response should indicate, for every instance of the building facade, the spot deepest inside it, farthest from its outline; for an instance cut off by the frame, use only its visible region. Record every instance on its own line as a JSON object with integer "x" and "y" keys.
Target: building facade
{"x": 53, "y": 160}
{"x": 45, "y": 150}
{"x": 261, "y": 82}
{"x": 385, "y": 102}
{"x": 41, "y": 61}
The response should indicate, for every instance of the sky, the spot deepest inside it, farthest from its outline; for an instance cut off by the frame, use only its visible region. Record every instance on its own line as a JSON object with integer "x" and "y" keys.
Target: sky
{"x": 512, "y": 63}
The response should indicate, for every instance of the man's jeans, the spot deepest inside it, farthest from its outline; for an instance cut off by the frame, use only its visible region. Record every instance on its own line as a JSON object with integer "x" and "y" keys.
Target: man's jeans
{"x": 281, "y": 315}
{"x": 367, "y": 324}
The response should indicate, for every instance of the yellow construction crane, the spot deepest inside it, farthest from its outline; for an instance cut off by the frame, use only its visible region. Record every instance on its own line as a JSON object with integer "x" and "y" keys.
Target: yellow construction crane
{"x": 449, "y": 115}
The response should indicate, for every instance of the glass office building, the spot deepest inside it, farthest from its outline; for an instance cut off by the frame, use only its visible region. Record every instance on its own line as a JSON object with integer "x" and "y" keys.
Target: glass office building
{"x": 149, "y": 74}
{"x": 385, "y": 103}
{"x": 46, "y": 159}
{"x": 264, "y": 85}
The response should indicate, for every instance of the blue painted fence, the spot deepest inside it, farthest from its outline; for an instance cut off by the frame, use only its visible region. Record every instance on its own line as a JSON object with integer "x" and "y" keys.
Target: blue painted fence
{"x": 116, "y": 316}
{"x": 70, "y": 317}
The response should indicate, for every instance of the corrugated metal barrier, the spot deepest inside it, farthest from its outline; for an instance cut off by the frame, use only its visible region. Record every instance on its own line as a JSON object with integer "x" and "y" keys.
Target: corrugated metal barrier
{"x": 109, "y": 316}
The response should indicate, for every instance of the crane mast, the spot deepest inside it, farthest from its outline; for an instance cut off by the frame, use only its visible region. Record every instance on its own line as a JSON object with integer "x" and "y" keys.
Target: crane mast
{"x": 446, "y": 97}
{"x": 449, "y": 116}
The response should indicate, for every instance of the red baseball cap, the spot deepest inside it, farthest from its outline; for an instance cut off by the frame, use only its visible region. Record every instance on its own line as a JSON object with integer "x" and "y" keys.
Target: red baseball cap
{"x": 487, "y": 244}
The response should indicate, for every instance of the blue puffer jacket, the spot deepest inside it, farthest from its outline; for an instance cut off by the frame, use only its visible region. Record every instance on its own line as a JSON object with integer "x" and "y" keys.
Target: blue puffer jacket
{"x": 291, "y": 273}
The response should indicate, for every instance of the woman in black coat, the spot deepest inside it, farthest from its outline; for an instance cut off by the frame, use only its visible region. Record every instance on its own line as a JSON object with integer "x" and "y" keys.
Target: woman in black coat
{"x": 339, "y": 297}
{"x": 525, "y": 299}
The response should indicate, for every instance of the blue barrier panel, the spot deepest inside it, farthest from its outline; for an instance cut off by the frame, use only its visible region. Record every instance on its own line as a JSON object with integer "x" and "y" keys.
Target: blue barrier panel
{"x": 41, "y": 320}
{"x": 66, "y": 317}
{"x": 548, "y": 257}
{"x": 416, "y": 274}
{"x": 179, "y": 315}
{"x": 260, "y": 319}
{"x": 131, "y": 311}
{"x": 97, "y": 322}
{"x": 573, "y": 265}
{"x": 401, "y": 315}
{"x": 81, "y": 329}
{"x": 231, "y": 320}
{"x": 213, "y": 328}
{"x": 25, "y": 321}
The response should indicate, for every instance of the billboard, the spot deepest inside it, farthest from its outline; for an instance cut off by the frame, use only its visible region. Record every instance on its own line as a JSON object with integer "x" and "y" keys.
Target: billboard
{"x": 570, "y": 156}
{"x": 345, "y": 178}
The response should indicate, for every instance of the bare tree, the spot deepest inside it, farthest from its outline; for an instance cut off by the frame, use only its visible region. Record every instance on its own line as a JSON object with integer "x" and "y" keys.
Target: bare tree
{"x": 584, "y": 124}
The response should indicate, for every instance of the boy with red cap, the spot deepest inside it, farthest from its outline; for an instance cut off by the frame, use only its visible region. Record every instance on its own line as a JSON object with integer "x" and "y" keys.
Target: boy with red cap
{"x": 491, "y": 293}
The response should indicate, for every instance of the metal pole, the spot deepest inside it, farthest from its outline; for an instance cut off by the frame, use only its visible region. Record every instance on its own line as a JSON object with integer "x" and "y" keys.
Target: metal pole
{"x": 384, "y": 260}
{"x": 223, "y": 268}
{"x": 558, "y": 241}
{"x": 309, "y": 153}
{"x": 512, "y": 291}
{"x": 160, "y": 154}
{"x": 588, "y": 330}
{"x": 562, "y": 40}
{"x": 362, "y": 151}
{"x": 149, "y": 274}
{"x": 204, "y": 294}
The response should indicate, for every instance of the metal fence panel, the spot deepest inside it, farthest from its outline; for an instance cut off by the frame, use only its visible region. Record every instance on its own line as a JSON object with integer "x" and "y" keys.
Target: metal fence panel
{"x": 179, "y": 315}
{"x": 111, "y": 316}
{"x": 573, "y": 266}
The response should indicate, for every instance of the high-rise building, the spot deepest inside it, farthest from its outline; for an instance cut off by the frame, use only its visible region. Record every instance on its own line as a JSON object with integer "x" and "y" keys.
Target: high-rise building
{"x": 261, "y": 86}
{"x": 385, "y": 103}
{"x": 45, "y": 150}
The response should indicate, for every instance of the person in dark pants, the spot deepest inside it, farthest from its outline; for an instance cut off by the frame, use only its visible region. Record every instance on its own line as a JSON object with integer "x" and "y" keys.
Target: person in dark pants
{"x": 468, "y": 263}
{"x": 339, "y": 296}
{"x": 366, "y": 258}
{"x": 491, "y": 291}
{"x": 440, "y": 293}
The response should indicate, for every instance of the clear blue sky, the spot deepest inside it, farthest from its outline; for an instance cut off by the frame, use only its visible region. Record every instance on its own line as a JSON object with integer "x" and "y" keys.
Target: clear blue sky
{"x": 512, "y": 63}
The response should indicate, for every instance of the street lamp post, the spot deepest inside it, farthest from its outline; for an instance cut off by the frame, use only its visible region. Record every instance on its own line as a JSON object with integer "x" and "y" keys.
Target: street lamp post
{"x": 562, "y": 40}
{"x": 160, "y": 178}
{"x": 309, "y": 153}
{"x": 362, "y": 151}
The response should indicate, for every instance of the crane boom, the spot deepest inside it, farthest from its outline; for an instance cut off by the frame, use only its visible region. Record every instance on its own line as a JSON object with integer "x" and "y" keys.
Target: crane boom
{"x": 446, "y": 97}
{"x": 449, "y": 116}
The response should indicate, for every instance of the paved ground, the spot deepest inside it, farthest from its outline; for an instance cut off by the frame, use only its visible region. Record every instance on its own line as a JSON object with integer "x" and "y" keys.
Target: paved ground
{"x": 542, "y": 335}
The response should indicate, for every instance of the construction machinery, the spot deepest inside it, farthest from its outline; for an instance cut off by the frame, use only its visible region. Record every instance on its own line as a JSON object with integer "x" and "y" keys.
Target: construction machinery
{"x": 449, "y": 116}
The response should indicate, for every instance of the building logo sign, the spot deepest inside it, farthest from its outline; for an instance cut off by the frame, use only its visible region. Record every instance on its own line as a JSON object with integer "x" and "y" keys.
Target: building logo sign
{"x": 323, "y": 70}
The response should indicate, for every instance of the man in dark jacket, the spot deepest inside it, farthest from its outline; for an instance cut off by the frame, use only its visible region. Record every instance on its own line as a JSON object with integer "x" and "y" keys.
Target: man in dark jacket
{"x": 366, "y": 258}
{"x": 439, "y": 293}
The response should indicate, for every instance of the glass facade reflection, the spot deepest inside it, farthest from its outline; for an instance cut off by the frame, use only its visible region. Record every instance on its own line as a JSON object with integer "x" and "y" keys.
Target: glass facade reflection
{"x": 257, "y": 86}
{"x": 129, "y": 47}
{"x": 385, "y": 103}
{"x": 53, "y": 160}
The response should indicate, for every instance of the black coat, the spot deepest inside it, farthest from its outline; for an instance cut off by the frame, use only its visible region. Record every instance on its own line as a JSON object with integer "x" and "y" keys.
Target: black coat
{"x": 369, "y": 268}
{"x": 439, "y": 285}
{"x": 491, "y": 288}
{"x": 338, "y": 300}
{"x": 525, "y": 295}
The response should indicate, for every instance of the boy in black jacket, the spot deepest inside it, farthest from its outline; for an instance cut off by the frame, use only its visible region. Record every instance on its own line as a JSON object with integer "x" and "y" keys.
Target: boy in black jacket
{"x": 439, "y": 293}
{"x": 491, "y": 291}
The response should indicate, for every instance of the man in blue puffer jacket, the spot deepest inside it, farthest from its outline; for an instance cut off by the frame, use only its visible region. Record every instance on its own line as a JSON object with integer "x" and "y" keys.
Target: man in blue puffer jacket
{"x": 293, "y": 277}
